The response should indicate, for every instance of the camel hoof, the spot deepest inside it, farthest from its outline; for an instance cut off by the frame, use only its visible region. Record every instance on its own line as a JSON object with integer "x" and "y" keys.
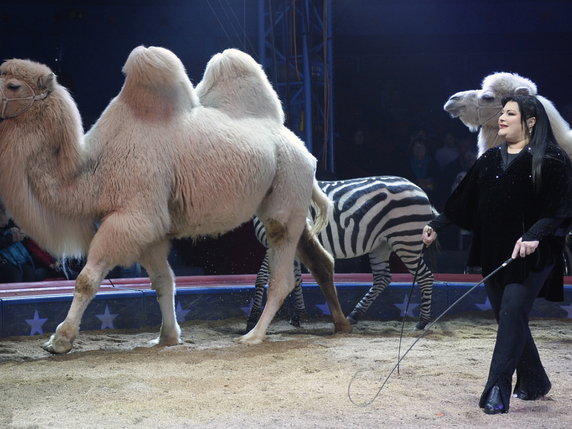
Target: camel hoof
{"x": 165, "y": 342}
{"x": 57, "y": 345}
{"x": 344, "y": 328}
{"x": 250, "y": 339}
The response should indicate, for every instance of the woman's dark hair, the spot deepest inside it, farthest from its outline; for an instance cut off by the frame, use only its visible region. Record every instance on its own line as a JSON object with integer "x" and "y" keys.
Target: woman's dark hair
{"x": 541, "y": 134}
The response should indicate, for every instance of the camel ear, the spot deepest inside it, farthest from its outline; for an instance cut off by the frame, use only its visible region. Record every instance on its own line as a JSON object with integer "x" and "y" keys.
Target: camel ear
{"x": 522, "y": 90}
{"x": 46, "y": 81}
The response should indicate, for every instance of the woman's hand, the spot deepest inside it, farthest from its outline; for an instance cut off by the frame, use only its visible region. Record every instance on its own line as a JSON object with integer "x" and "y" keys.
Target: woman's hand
{"x": 524, "y": 248}
{"x": 429, "y": 235}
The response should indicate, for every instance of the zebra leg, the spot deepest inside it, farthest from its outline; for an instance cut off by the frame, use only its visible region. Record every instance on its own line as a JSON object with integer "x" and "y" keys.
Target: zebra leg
{"x": 424, "y": 280}
{"x": 379, "y": 262}
{"x": 299, "y": 307}
{"x": 259, "y": 285}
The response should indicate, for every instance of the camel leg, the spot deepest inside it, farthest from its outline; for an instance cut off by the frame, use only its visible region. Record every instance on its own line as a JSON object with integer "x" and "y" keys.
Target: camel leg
{"x": 281, "y": 256}
{"x": 154, "y": 259}
{"x": 321, "y": 265}
{"x": 117, "y": 242}
{"x": 86, "y": 286}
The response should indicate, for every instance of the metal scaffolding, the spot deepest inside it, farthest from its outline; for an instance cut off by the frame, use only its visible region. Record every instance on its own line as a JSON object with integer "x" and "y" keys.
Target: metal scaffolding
{"x": 295, "y": 48}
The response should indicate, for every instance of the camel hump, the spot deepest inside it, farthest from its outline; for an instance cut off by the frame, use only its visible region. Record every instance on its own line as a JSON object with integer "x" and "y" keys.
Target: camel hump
{"x": 156, "y": 68}
{"x": 153, "y": 66}
{"x": 235, "y": 83}
{"x": 509, "y": 83}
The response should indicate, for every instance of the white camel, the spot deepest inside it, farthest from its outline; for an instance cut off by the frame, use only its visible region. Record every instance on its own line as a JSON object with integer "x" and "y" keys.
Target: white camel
{"x": 157, "y": 165}
{"x": 479, "y": 109}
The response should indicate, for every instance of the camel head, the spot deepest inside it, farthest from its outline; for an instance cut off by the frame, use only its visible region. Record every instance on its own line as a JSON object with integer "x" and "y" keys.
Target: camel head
{"x": 479, "y": 109}
{"x": 22, "y": 83}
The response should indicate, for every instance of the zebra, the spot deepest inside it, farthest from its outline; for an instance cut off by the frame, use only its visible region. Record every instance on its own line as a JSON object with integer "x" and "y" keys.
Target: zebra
{"x": 374, "y": 216}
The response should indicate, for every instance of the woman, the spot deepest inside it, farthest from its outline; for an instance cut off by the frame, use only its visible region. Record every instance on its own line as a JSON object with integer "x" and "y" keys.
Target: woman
{"x": 517, "y": 200}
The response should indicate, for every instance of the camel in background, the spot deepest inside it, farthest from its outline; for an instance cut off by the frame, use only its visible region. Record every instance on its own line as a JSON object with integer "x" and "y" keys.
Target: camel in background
{"x": 479, "y": 109}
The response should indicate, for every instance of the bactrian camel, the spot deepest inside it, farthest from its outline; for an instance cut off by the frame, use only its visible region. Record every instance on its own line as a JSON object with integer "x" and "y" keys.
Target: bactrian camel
{"x": 159, "y": 165}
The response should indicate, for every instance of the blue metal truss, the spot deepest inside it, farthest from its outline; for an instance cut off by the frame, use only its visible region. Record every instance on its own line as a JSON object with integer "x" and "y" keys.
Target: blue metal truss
{"x": 295, "y": 48}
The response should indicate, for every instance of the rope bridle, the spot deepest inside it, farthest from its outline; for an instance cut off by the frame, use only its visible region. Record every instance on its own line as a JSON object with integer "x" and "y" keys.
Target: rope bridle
{"x": 31, "y": 98}
{"x": 479, "y": 107}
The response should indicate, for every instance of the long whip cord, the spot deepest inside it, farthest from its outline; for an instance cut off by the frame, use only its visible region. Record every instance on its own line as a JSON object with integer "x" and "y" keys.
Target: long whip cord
{"x": 407, "y": 305}
{"x": 504, "y": 264}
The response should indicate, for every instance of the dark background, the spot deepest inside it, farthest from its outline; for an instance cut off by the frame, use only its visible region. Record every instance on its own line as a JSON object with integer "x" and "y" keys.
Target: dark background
{"x": 425, "y": 49}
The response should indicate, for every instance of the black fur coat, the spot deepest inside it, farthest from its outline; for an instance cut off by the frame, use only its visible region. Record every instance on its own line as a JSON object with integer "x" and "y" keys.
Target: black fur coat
{"x": 499, "y": 206}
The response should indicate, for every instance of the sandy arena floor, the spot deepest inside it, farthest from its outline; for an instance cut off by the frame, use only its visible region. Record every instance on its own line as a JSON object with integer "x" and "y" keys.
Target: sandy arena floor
{"x": 298, "y": 378}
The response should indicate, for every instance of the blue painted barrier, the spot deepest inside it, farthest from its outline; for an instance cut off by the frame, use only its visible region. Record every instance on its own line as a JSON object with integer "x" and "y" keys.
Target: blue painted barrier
{"x": 135, "y": 305}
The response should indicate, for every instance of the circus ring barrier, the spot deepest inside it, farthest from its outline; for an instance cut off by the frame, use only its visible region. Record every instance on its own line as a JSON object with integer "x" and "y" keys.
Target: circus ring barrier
{"x": 37, "y": 308}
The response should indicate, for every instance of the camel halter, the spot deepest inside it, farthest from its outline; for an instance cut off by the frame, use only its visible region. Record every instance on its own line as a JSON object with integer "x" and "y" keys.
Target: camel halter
{"x": 479, "y": 107}
{"x": 30, "y": 98}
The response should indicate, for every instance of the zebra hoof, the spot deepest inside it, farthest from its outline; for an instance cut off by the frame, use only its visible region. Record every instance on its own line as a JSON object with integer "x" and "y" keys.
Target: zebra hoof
{"x": 421, "y": 325}
{"x": 295, "y": 321}
{"x": 353, "y": 318}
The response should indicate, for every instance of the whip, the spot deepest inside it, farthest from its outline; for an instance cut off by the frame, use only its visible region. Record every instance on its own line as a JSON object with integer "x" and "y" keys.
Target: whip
{"x": 408, "y": 301}
{"x": 504, "y": 264}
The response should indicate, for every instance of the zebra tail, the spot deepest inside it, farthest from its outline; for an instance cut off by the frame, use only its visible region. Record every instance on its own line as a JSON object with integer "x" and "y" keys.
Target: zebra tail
{"x": 323, "y": 207}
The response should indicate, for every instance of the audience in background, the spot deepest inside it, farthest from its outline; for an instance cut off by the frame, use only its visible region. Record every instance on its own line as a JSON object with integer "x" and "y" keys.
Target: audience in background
{"x": 421, "y": 168}
{"x": 448, "y": 152}
{"x": 16, "y": 264}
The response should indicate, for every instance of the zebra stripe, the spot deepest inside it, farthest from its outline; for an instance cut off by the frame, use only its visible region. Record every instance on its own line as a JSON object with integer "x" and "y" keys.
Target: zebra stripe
{"x": 375, "y": 216}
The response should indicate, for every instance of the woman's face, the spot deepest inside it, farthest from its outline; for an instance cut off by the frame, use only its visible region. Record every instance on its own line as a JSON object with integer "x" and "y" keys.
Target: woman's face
{"x": 510, "y": 126}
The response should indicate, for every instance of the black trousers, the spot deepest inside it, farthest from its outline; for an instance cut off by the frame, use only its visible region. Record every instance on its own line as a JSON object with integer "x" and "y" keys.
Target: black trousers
{"x": 514, "y": 347}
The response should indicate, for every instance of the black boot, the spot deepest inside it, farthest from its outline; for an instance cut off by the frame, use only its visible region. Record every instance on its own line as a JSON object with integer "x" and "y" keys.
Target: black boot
{"x": 494, "y": 404}
{"x": 523, "y": 394}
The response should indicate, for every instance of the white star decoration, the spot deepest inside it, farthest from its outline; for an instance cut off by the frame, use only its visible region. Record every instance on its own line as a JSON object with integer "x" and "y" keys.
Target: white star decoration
{"x": 36, "y": 324}
{"x": 181, "y": 313}
{"x": 403, "y": 306}
{"x": 248, "y": 309}
{"x": 486, "y": 306}
{"x": 106, "y": 318}
{"x": 324, "y": 308}
{"x": 568, "y": 309}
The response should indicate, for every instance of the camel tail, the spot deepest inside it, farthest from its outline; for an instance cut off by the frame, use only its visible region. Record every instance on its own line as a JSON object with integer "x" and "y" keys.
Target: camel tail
{"x": 323, "y": 207}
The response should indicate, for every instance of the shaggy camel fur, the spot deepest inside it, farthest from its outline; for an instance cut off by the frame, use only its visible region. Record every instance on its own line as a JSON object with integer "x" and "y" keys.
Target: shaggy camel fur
{"x": 157, "y": 165}
{"x": 480, "y": 109}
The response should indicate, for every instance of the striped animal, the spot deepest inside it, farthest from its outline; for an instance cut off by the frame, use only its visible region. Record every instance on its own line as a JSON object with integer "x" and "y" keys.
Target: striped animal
{"x": 374, "y": 216}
